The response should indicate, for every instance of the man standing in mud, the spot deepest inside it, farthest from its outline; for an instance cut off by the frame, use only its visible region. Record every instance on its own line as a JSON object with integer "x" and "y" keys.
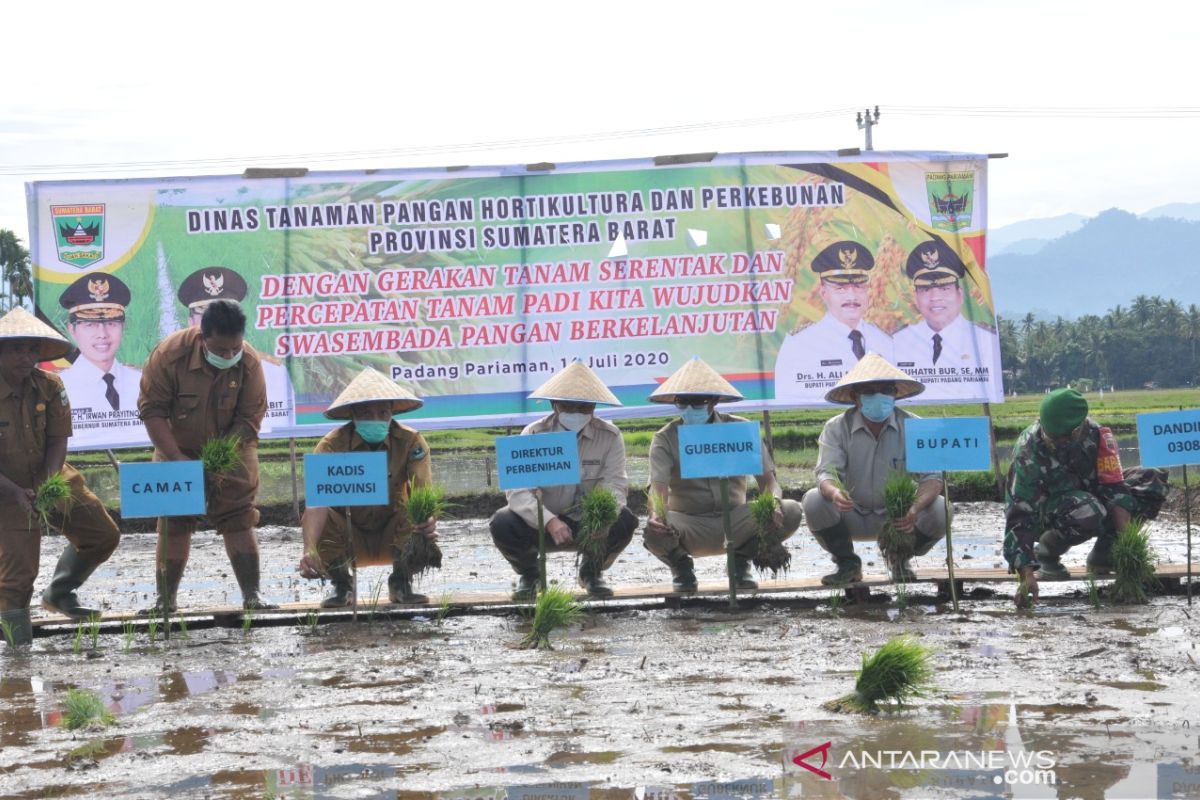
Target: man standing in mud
{"x": 200, "y": 384}
{"x": 380, "y": 534}
{"x": 693, "y": 523}
{"x": 859, "y": 450}
{"x": 35, "y": 424}
{"x": 1060, "y": 494}
{"x": 573, "y": 394}
{"x": 812, "y": 359}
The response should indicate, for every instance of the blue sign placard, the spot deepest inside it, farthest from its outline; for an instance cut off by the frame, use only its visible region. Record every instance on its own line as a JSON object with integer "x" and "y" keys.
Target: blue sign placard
{"x": 537, "y": 459}
{"x": 949, "y": 444}
{"x": 1170, "y": 438}
{"x": 346, "y": 479}
{"x": 720, "y": 451}
{"x": 162, "y": 489}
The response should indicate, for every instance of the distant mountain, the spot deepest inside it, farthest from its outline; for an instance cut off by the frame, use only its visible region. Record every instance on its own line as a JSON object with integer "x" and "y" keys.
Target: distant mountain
{"x": 1190, "y": 211}
{"x": 1029, "y": 236}
{"x": 1109, "y": 260}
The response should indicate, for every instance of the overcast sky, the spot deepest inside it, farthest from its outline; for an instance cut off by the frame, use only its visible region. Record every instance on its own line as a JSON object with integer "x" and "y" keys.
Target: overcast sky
{"x": 100, "y": 84}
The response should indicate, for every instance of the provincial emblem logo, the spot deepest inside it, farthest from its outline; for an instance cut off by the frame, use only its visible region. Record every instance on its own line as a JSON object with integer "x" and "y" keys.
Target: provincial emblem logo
{"x": 951, "y": 199}
{"x": 79, "y": 233}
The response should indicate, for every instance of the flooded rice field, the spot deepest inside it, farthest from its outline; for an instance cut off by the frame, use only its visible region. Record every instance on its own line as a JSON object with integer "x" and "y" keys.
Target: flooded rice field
{"x": 688, "y": 702}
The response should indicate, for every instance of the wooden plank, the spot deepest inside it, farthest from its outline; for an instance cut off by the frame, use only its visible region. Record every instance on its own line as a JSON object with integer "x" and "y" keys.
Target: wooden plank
{"x": 233, "y": 615}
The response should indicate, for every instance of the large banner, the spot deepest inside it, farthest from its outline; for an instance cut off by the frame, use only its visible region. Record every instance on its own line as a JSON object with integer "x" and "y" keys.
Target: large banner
{"x": 473, "y": 285}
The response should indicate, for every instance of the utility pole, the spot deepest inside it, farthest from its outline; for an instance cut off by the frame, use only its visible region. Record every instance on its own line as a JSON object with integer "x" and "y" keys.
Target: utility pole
{"x": 865, "y": 123}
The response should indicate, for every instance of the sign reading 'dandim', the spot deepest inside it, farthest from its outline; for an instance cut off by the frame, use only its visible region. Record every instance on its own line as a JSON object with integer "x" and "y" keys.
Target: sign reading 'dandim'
{"x": 950, "y": 444}
{"x": 162, "y": 489}
{"x": 1170, "y": 438}
{"x": 537, "y": 459}
{"x": 346, "y": 479}
{"x": 720, "y": 451}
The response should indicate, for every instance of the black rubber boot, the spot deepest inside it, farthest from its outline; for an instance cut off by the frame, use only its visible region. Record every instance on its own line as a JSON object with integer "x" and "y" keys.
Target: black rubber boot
{"x": 400, "y": 588}
{"x": 245, "y": 569}
{"x": 166, "y": 578}
{"x": 1049, "y": 550}
{"x": 683, "y": 572}
{"x": 526, "y": 587}
{"x": 837, "y": 543}
{"x": 1099, "y": 561}
{"x": 18, "y": 629}
{"x": 341, "y": 593}
{"x": 591, "y": 578}
{"x": 69, "y": 575}
{"x": 743, "y": 578}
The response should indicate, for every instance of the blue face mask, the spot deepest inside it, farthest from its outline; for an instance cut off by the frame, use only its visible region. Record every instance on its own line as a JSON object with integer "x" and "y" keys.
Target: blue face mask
{"x": 694, "y": 416}
{"x": 372, "y": 431}
{"x": 877, "y": 407}
{"x": 222, "y": 363}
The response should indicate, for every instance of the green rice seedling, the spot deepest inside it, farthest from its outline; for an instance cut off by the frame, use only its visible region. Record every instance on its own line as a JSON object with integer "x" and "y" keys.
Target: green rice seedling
{"x": 247, "y": 621}
{"x": 222, "y": 454}
{"x": 311, "y": 620}
{"x": 443, "y": 609}
{"x": 899, "y": 671}
{"x": 1133, "y": 565}
{"x": 152, "y": 627}
{"x": 93, "y": 630}
{"x": 53, "y": 495}
{"x": 376, "y": 596}
{"x": 658, "y": 506}
{"x": 771, "y": 554}
{"x": 555, "y": 608}
{"x": 903, "y": 597}
{"x": 899, "y": 493}
{"x": 1024, "y": 596}
{"x": 424, "y": 503}
{"x": 6, "y": 629}
{"x": 837, "y": 602}
{"x": 1093, "y": 590}
{"x": 129, "y": 632}
{"x": 77, "y": 645}
{"x": 183, "y": 629}
{"x": 84, "y": 709}
{"x": 598, "y": 512}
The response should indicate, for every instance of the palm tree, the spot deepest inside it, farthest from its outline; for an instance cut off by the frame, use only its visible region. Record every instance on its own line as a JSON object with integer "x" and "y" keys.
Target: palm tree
{"x": 14, "y": 263}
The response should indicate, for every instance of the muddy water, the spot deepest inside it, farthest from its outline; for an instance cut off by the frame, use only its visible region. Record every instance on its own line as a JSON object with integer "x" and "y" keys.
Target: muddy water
{"x": 693, "y": 702}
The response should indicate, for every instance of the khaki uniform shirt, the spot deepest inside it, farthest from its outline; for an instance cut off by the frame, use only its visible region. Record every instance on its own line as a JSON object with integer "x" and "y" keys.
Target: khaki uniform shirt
{"x": 601, "y": 463}
{"x": 199, "y": 401}
{"x": 29, "y": 414}
{"x": 407, "y": 459}
{"x": 850, "y": 452}
{"x": 695, "y": 495}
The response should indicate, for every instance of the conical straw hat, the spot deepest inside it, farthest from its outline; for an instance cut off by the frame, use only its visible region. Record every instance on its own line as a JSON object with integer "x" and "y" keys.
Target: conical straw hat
{"x": 873, "y": 368}
{"x": 369, "y": 386}
{"x": 577, "y": 383}
{"x": 20, "y": 324}
{"x": 695, "y": 378}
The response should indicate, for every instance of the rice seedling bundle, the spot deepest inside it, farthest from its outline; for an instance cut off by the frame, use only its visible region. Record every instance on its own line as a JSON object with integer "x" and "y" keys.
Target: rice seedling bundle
{"x": 899, "y": 671}
{"x": 54, "y": 495}
{"x": 1133, "y": 565}
{"x": 84, "y": 709}
{"x": 899, "y": 493}
{"x": 598, "y": 512}
{"x": 222, "y": 454}
{"x": 771, "y": 554}
{"x": 554, "y": 609}
{"x": 424, "y": 503}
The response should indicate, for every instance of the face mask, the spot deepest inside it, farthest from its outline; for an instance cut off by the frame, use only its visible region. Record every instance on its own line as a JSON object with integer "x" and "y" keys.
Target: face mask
{"x": 573, "y": 421}
{"x": 877, "y": 407}
{"x": 222, "y": 363}
{"x": 372, "y": 431}
{"x": 694, "y": 416}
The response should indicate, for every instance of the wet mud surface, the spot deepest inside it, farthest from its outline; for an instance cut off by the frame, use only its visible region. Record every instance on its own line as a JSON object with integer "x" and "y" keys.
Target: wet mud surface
{"x": 690, "y": 702}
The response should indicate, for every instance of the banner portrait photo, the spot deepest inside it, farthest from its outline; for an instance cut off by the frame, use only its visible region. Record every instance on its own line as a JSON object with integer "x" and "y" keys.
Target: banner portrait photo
{"x": 471, "y": 286}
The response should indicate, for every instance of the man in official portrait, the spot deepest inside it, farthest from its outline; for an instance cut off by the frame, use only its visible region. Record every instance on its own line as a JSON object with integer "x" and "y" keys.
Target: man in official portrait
{"x": 95, "y": 307}
{"x": 944, "y": 341}
{"x": 812, "y": 359}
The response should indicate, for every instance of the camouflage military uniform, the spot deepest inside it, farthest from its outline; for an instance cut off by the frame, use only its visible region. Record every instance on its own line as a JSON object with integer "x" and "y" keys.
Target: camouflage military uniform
{"x": 1055, "y": 492}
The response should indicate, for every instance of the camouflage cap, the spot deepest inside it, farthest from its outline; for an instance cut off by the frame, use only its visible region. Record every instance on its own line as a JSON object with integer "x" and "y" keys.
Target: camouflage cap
{"x": 844, "y": 262}
{"x": 934, "y": 264}
{"x": 211, "y": 283}
{"x": 96, "y": 296}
